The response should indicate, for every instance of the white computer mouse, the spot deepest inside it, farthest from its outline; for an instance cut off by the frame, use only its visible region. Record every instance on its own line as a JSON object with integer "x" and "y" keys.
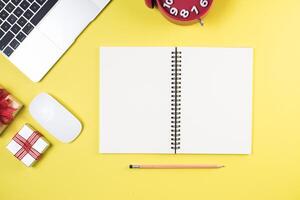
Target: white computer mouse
{"x": 55, "y": 118}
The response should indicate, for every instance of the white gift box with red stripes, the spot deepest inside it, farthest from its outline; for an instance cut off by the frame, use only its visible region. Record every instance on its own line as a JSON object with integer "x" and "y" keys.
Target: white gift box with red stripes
{"x": 28, "y": 145}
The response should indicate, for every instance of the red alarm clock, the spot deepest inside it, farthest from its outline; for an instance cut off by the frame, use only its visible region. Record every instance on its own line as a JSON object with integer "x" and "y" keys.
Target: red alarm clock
{"x": 182, "y": 11}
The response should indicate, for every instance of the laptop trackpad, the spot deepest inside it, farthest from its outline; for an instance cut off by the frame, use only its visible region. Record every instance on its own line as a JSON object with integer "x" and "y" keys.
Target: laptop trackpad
{"x": 66, "y": 21}
{"x": 35, "y": 55}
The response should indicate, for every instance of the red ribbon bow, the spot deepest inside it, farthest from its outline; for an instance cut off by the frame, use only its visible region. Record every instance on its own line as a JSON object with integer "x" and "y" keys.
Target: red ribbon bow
{"x": 6, "y": 111}
{"x": 27, "y": 146}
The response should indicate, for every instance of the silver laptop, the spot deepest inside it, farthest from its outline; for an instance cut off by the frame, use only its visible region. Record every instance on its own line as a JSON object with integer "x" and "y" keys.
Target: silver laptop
{"x": 34, "y": 34}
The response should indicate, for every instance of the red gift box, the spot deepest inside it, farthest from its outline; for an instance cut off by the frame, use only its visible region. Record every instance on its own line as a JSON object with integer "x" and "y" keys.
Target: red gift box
{"x": 9, "y": 107}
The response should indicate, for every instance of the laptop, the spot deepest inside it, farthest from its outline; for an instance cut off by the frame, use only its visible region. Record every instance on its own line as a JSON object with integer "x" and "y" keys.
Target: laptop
{"x": 34, "y": 34}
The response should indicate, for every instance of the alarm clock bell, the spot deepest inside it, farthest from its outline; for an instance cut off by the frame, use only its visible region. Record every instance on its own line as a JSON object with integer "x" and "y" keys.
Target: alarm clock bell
{"x": 182, "y": 11}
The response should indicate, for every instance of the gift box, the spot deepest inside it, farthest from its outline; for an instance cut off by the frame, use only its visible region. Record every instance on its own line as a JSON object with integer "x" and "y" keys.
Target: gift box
{"x": 9, "y": 107}
{"x": 28, "y": 145}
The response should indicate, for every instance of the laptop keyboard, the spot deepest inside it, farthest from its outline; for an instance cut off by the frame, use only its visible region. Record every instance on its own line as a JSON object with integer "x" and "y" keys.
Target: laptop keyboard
{"x": 18, "y": 18}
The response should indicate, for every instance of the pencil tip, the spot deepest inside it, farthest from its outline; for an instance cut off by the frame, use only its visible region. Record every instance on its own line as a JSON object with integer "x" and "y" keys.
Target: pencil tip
{"x": 130, "y": 166}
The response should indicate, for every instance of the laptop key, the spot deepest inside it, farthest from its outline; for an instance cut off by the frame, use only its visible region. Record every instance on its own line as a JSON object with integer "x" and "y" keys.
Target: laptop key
{"x": 28, "y": 28}
{"x": 21, "y": 36}
{"x": 43, "y": 11}
{"x": 9, "y": 7}
{"x": 28, "y": 14}
{"x": 12, "y": 19}
{"x": 1, "y": 33}
{"x": 14, "y": 44}
{"x": 18, "y": 12}
{"x": 22, "y": 21}
{"x": 8, "y": 51}
{"x": 34, "y": 7}
{"x": 16, "y": 2}
{"x": 6, "y": 40}
{"x": 5, "y": 26}
{"x": 6, "y": 1}
{"x": 41, "y": 2}
{"x": 15, "y": 29}
{"x": 3, "y": 14}
{"x": 2, "y": 5}
{"x": 24, "y": 5}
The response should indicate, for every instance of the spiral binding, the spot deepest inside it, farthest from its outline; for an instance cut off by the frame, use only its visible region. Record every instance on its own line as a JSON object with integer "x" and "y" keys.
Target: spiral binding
{"x": 175, "y": 100}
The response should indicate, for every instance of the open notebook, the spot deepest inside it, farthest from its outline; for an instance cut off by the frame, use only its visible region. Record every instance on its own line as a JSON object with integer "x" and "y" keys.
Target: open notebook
{"x": 176, "y": 100}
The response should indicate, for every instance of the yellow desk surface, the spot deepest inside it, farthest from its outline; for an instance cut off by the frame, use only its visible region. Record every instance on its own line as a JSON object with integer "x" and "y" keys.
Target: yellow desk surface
{"x": 76, "y": 171}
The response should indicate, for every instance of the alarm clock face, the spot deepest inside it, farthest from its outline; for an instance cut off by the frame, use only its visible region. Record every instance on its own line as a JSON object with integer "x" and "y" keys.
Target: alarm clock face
{"x": 184, "y": 10}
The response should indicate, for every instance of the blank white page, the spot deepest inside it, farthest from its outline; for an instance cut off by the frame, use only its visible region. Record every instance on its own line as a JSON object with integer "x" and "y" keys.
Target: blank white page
{"x": 135, "y": 105}
{"x": 216, "y": 100}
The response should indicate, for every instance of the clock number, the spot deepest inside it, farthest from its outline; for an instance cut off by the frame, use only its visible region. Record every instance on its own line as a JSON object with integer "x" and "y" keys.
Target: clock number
{"x": 168, "y": 3}
{"x": 194, "y": 9}
{"x": 174, "y": 11}
{"x": 184, "y": 13}
{"x": 203, "y": 3}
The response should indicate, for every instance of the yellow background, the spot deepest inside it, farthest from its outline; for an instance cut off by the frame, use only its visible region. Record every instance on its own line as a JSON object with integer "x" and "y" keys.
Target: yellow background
{"x": 76, "y": 171}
